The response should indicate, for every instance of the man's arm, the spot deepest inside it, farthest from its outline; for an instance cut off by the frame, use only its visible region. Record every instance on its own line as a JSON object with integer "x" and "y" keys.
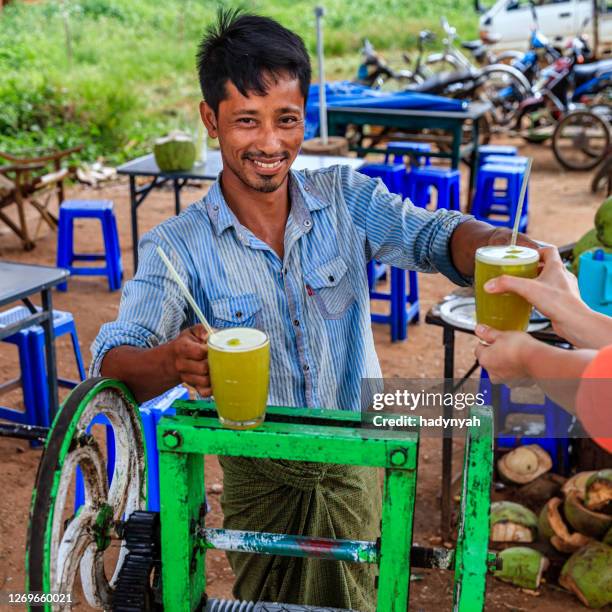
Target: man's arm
{"x": 150, "y": 372}
{"x": 145, "y": 347}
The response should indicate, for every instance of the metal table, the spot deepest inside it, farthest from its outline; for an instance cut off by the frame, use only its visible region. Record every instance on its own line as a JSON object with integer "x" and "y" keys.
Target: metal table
{"x": 20, "y": 282}
{"x": 340, "y": 116}
{"x": 208, "y": 171}
{"x": 448, "y": 339}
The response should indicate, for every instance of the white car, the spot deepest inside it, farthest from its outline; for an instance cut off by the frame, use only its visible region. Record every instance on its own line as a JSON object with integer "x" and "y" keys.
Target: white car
{"x": 559, "y": 20}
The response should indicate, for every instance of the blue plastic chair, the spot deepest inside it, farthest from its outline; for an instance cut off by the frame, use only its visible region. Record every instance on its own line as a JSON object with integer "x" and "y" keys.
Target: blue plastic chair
{"x": 66, "y": 257}
{"x": 403, "y": 298}
{"x": 418, "y": 152}
{"x": 507, "y": 160}
{"x": 557, "y": 424}
{"x": 150, "y": 413}
{"x": 498, "y": 205}
{"x": 446, "y": 182}
{"x": 392, "y": 175}
{"x": 31, "y": 346}
{"x": 485, "y": 150}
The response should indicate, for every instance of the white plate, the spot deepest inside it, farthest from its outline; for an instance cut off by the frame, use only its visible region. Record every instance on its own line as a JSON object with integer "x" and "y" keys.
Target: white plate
{"x": 461, "y": 312}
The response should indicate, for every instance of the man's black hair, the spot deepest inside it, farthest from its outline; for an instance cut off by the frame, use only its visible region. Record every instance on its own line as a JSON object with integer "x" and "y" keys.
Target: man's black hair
{"x": 247, "y": 50}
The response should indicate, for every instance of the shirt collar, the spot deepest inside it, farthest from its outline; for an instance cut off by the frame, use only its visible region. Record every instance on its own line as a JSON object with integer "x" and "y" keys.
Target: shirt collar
{"x": 305, "y": 197}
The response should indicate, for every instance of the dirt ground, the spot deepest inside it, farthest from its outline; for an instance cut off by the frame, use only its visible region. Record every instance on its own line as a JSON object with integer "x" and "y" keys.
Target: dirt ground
{"x": 561, "y": 210}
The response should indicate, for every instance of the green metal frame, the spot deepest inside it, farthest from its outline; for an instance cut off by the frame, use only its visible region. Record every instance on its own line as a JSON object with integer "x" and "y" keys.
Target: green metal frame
{"x": 320, "y": 436}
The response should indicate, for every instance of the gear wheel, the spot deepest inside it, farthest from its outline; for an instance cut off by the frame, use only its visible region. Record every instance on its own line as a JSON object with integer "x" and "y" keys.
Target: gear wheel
{"x": 137, "y": 588}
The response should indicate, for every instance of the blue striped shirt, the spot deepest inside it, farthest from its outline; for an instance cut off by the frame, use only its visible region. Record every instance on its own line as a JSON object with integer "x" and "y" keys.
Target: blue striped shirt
{"x": 314, "y": 304}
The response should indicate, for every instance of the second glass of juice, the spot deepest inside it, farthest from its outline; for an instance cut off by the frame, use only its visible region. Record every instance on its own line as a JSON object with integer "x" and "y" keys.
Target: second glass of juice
{"x": 239, "y": 363}
{"x": 503, "y": 311}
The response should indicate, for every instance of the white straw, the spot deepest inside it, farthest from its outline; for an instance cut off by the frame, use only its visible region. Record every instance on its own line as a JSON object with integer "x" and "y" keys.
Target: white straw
{"x": 184, "y": 290}
{"x": 519, "y": 210}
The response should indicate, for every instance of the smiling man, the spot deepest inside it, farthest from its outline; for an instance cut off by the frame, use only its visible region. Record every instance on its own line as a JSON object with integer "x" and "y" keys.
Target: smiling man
{"x": 285, "y": 252}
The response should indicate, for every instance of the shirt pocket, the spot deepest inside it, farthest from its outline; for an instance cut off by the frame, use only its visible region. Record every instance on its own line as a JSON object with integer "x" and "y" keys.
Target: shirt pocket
{"x": 237, "y": 311}
{"x": 330, "y": 287}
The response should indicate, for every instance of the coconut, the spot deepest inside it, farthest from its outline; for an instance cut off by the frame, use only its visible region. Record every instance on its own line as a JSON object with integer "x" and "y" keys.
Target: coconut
{"x": 175, "y": 152}
{"x": 511, "y": 522}
{"x": 588, "y": 243}
{"x": 524, "y": 464}
{"x": 577, "y": 483}
{"x": 598, "y": 490}
{"x": 552, "y": 526}
{"x": 588, "y": 522}
{"x": 603, "y": 222}
{"x": 588, "y": 574}
{"x": 522, "y": 567}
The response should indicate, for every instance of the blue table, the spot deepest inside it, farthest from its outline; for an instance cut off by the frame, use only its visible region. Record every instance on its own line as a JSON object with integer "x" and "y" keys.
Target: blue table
{"x": 146, "y": 167}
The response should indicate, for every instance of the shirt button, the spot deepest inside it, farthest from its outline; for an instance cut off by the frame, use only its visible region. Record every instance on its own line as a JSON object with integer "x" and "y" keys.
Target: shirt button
{"x": 296, "y": 323}
{"x": 307, "y": 223}
{"x": 238, "y": 313}
{"x": 215, "y": 207}
{"x": 331, "y": 278}
{"x": 305, "y": 367}
{"x": 306, "y": 188}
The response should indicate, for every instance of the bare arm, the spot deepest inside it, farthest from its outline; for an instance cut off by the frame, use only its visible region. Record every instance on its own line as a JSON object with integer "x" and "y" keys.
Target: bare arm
{"x": 148, "y": 372}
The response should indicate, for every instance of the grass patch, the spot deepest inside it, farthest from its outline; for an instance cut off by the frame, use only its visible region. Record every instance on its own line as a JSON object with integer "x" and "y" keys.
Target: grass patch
{"x": 131, "y": 76}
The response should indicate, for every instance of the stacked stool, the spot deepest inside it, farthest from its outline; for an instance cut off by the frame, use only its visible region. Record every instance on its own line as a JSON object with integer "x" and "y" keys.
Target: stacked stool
{"x": 392, "y": 175}
{"x": 445, "y": 181}
{"x": 555, "y": 438}
{"x": 66, "y": 257}
{"x": 150, "y": 414}
{"x": 31, "y": 345}
{"x": 496, "y": 205}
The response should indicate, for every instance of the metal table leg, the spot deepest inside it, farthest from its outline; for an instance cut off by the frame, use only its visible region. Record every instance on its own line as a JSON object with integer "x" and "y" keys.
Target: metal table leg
{"x": 474, "y": 163}
{"x": 177, "y": 196}
{"x": 134, "y": 215}
{"x": 47, "y": 325}
{"x": 447, "y": 440}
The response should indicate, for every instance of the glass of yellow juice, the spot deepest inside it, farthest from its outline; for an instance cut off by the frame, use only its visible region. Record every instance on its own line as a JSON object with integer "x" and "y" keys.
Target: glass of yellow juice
{"x": 503, "y": 311}
{"x": 239, "y": 363}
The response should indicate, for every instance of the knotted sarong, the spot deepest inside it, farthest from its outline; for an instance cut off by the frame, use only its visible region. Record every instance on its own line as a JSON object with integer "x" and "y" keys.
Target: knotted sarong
{"x": 302, "y": 498}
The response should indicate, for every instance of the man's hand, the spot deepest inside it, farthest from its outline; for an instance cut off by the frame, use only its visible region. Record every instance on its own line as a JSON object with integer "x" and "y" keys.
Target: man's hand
{"x": 190, "y": 359}
{"x": 555, "y": 294}
{"x": 471, "y": 235}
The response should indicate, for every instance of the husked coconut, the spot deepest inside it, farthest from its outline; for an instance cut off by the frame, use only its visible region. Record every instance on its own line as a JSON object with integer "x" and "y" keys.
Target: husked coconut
{"x": 511, "y": 522}
{"x": 588, "y": 574}
{"x": 598, "y": 490}
{"x": 588, "y": 522}
{"x": 551, "y": 526}
{"x": 522, "y": 566}
{"x": 577, "y": 483}
{"x": 524, "y": 464}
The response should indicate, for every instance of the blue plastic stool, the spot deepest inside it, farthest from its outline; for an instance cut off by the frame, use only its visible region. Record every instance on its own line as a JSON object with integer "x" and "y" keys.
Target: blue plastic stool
{"x": 403, "y": 299}
{"x": 31, "y": 345}
{"x": 490, "y": 200}
{"x": 557, "y": 422}
{"x": 376, "y": 271}
{"x": 445, "y": 180}
{"x": 150, "y": 413}
{"x": 485, "y": 150}
{"x": 417, "y": 151}
{"x": 595, "y": 280}
{"x": 89, "y": 209}
{"x": 392, "y": 175}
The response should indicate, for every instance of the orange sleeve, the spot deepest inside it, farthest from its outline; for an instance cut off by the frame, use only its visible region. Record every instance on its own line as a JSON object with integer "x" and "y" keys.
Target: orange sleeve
{"x": 594, "y": 399}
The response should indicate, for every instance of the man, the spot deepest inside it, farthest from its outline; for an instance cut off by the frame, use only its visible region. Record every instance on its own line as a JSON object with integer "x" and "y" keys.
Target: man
{"x": 285, "y": 252}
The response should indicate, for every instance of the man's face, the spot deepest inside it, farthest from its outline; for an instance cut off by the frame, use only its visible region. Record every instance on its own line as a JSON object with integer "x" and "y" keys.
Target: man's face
{"x": 259, "y": 136}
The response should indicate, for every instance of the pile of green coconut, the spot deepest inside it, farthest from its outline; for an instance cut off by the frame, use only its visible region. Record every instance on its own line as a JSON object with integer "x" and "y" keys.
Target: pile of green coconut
{"x": 568, "y": 541}
{"x": 599, "y": 237}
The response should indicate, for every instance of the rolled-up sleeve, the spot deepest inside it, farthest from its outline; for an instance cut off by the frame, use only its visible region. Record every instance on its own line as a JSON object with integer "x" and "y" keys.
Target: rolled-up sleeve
{"x": 152, "y": 309}
{"x": 398, "y": 233}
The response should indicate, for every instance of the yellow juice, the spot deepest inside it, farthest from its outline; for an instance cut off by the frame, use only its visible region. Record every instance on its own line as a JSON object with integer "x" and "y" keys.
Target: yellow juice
{"x": 504, "y": 311}
{"x": 239, "y": 362}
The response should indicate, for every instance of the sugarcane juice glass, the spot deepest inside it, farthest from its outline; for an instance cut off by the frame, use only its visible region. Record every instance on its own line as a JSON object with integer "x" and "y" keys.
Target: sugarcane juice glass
{"x": 239, "y": 363}
{"x": 503, "y": 311}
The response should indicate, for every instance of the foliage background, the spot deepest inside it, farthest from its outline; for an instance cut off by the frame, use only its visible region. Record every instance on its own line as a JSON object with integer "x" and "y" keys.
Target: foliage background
{"x": 131, "y": 76}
